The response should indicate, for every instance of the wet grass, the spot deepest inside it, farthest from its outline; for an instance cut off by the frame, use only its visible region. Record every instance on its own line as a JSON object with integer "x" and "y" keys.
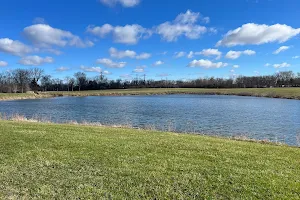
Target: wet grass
{"x": 51, "y": 161}
{"x": 286, "y": 93}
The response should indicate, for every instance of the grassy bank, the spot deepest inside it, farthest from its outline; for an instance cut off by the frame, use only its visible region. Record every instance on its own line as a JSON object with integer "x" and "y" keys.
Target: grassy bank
{"x": 72, "y": 161}
{"x": 19, "y": 96}
{"x": 287, "y": 93}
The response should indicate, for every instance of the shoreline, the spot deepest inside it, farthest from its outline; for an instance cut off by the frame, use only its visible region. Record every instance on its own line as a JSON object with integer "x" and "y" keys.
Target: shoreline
{"x": 282, "y": 93}
{"x": 22, "y": 119}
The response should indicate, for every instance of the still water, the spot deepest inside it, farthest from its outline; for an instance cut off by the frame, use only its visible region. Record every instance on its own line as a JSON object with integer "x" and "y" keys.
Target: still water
{"x": 258, "y": 118}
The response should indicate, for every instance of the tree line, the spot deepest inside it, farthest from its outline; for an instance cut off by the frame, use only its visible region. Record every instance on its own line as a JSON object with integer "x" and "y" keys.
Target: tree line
{"x": 24, "y": 80}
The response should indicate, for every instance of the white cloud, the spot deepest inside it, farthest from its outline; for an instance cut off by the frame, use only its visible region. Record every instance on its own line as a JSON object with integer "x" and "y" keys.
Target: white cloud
{"x": 257, "y": 34}
{"x": 206, "y": 64}
{"x": 256, "y": 73}
{"x": 43, "y": 35}
{"x": 100, "y": 31}
{"x": 249, "y": 52}
{"x": 106, "y": 72}
{"x": 35, "y": 60}
{"x": 114, "y": 53}
{"x": 296, "y": 57}
{"x": 143, "y": 56}
{"x": 128, "y": 34}
{"x": 139, "y": 69}
{"x": 179, "y": 54}
{"x": 233, "y": 54}
{"x": 236, "y": 54}
{"x": 90, "y": 69}
{"x": 121, "y": 54}
{"x": 111, "y": 64}
{"x": 210, "y": 52}
{"x": 157, "y": 63}
{"x": 267, "y": 64}
{"x": 14, "y": 47}
{"x": 281, "y": 49}
{"x": 190, "y": 55}
{"x": 62, "y": 69}
{"x": 183, "y": 25}
{"x": 232, "y": 71}
{"x": 54, "y": 51}
{"x": 282, "y": 65}
{"x": 3, "y": 63}
{"x": 236, "y": 66}
{"x": 124, "y": 3}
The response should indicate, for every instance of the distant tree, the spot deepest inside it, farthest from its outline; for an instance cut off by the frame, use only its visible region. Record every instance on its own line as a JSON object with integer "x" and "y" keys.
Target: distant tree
{"x": 71, "y": 83}
{"x": 46, "y": 82}
{"x": 80, "y": 79}
{"x": 22, "y": 78}
{"x": 36, "y": 74}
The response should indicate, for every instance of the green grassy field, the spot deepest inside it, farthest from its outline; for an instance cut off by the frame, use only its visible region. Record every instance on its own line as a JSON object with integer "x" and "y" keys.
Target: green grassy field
{"x": 287, "y": 93}
{"x": 50, "y": 161}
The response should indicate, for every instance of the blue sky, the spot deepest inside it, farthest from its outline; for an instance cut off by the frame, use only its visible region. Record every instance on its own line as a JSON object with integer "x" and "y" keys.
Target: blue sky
{"x": 160, "y": 38}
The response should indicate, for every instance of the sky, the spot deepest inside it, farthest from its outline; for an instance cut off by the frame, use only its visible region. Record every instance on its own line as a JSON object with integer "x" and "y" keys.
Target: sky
{"x": 161, "y": 39}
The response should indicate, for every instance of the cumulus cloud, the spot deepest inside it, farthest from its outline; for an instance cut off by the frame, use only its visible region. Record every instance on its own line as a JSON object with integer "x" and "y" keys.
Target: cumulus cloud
{"x": 90, "y": 69}
{"x": 128, "y": 34}
{"x": 35, "y": 60}
{"x": 124, "y": 3}
{"x": 210, "y": 52}
{"x": 139, "y": 69}
{"x": 282, "y": 65}
{"x": 62, "y": 69}
{"x": 236, "y": 66}
{"x": 179, "y": 54}
{"x": 43, "y": 35}
{"x": 3, "y": 63}
{"x": 114, "y": 53}
{"x": 143, "y": 56}
{"x": 257, "y": 34}
{"x": 267, "y": 64}
{"x": 157, "y": 63}
{"x": 296, "y": 57}
{"x": 14, "y": 47}
{"x": 281, "y": 49}
{"x": 190, "y": 55}
{"x": 236, "y": 54}
{"x": 207, "y": 64}
{"x": 109, "y": 63}
{"x": 184, "y": 25}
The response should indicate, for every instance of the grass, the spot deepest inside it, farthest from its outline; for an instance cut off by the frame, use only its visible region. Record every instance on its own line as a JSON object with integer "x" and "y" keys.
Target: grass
{"x": 19, "y": 96}
{"x": 51, "y": 161}
{"x": 287, "y": 93}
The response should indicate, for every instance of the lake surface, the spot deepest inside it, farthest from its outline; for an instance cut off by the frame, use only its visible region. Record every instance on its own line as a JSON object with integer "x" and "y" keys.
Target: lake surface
{"x": 258, "y": 118}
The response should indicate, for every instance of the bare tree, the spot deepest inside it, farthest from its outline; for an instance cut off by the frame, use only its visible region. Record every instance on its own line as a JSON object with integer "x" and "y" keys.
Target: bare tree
{"x": 22, "y": 78}
{"x": 81, "y": 79}
{"x": 71, "y": 83}
{"x": 46, "y": 82}
{"x": 36, "y": 74}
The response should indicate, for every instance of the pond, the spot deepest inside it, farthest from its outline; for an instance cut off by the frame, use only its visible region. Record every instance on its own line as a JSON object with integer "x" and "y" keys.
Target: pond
{"x": 253, "y": 117}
